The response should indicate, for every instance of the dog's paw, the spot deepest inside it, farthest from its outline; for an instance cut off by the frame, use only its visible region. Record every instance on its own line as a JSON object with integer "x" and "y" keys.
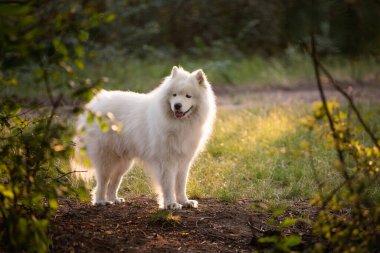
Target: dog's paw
{"x": 119, "y": 201}
{"x": 190, "y": 204}
{"x": 173, "y": 206}
{"x": 102, "y": 203}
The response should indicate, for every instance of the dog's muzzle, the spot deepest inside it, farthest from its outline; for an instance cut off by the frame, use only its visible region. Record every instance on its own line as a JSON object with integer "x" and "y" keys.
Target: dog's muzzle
{"x": 179, "y": 114}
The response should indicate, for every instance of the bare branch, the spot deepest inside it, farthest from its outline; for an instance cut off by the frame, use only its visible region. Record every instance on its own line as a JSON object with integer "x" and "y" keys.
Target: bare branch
{"x": 68, "y": 173}
{"x": 350, "y": 99}
{"x": 324, "y": 102}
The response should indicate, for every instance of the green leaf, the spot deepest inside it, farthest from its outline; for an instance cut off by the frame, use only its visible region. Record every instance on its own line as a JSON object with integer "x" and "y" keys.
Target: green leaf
{"x": 60, "y": 47}
{"x": 53, "y": 204}
{"x": 278, "y": 212}
{"x": 90, "y": 118}
{"x": 79, "y": 63}
{"x": 12, "y": 81}
{"x": 102, "y": 124}
{"x": 83, "y": 36}
{"x": 28, "y": 20}
{"x": 7, "y": 193}
{"x": 13, "y": 9}
{"x": 38, "y": 72}
{"x": 32, "y": 34}
{"x": 109, "y": 18}
{"x": 41, "y": 224}
{"x": 105, "y": 127}
{"x": 22, "y": 226}
{"x": 288, "y": 222}
{"x": 269, "y": 239}
{"x": 79, "y": 51}
{"x": 37, "y": 198}
{"x": 292, "y": 241}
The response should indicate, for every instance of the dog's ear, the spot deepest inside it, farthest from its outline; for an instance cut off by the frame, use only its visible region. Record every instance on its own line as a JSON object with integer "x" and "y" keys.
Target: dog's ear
{"x": 200, "y": 76}
{"x": 174, "y": 71}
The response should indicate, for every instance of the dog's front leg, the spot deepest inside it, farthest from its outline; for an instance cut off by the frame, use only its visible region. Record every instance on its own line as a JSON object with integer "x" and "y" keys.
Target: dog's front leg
{"x": 181, "y": 182}
{"x": 167, "y": 185}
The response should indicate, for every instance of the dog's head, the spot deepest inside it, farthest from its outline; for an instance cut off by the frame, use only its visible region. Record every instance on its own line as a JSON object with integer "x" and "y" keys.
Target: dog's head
{"x": 185, "y": 91}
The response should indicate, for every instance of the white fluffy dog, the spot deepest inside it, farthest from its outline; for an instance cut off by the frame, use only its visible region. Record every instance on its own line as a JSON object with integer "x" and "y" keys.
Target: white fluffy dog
{"x": 165, "y": 128}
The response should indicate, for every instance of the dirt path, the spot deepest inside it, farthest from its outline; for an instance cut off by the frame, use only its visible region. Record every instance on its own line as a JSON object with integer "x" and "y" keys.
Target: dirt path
{"x": 138, "y": 226}
{"x": 237, "y": 97}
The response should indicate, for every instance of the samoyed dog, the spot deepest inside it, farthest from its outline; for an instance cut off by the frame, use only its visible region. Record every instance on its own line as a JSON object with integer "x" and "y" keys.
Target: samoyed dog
{"x": 165, "y": 128}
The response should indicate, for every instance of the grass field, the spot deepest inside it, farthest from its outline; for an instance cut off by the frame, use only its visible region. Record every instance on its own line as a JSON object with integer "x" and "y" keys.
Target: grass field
{"x": 261, "y": 153}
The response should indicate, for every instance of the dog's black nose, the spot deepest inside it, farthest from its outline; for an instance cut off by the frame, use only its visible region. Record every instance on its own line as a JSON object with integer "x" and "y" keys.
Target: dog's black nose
{"x": 177, "y": 106}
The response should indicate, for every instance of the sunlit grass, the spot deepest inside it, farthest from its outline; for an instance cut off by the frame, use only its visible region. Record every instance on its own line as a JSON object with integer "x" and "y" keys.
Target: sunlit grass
{"x": 256, "y": 154}
{"x": 253, "y": 154}
{"x": 262, "y": 153}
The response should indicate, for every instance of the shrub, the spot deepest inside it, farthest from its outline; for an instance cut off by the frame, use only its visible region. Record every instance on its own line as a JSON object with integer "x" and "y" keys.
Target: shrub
{"x": 349, "y": 215}
{"x": 33, "y": 138}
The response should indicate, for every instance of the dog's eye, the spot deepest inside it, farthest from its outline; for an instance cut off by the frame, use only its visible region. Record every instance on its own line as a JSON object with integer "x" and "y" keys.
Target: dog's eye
{"x": 188, "y": 96}
{"x": 174, "y": 95}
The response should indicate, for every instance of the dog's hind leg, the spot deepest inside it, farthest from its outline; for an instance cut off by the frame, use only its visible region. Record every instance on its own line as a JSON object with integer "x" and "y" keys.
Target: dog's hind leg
{"x": 102, "y": 181}
{"x": 104, "y": 162}
{"x": 116, "y": 177}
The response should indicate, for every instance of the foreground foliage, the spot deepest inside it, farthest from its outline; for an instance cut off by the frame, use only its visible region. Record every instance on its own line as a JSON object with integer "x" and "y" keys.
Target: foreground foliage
{"x": 33, "y": 139}
{"x": 29, "y": 188}
{"x": 358, "y": 161}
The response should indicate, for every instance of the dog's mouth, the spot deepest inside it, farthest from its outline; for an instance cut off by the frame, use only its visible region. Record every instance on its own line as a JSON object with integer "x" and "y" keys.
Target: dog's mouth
{"x": 179, "y": 114}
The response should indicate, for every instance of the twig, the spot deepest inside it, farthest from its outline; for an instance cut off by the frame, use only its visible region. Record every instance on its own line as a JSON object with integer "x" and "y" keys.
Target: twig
{"x": 324, "y": 102}
{"x": 253, "y": 227}
{"x": 23, "y": 113}
{"x": 68, "y": 173}
{"x": 333, "y": 192}
{"x": 352, "y": 104}
{"x": 47, "y": 86}
{"x": 51, "y": 116}
{"x": 350, "y": 99}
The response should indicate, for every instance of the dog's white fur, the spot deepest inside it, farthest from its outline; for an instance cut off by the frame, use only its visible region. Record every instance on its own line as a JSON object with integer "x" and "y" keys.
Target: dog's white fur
{"x": 167, "y": 139}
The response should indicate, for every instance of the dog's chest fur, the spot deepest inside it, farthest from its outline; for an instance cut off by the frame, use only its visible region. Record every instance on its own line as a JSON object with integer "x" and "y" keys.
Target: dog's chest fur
{"x": 180, "y": 142}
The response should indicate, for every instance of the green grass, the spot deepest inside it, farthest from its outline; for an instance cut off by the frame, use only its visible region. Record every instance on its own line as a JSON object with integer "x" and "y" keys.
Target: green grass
{"x": 260, "y": 154}
{"x": 256, "y": 153}
{"x": 164, "y": 217}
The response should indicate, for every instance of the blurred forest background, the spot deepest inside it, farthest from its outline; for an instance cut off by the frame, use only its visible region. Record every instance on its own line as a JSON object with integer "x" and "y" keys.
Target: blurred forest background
{"x": 236, "y": 42}
{"x": 241, "y": 27}
{"x": 55, "y": 55}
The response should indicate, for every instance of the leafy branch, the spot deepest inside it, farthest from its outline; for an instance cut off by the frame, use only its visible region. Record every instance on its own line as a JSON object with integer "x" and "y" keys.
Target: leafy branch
{"x": 338, "y": 148}
{"x": 359, "y": 231}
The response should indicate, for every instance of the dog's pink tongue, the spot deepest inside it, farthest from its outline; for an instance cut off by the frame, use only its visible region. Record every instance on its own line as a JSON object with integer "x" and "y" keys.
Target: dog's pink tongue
{"x": 179, "y": 114}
